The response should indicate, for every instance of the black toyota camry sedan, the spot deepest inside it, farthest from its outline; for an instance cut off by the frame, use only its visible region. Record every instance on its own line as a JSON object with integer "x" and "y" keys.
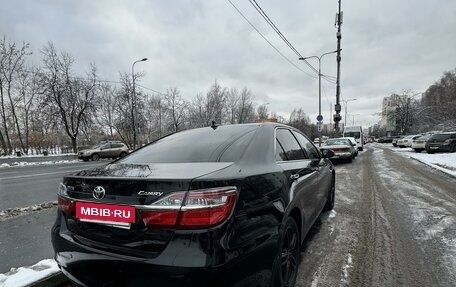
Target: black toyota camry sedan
{"x": 216, "y": 206}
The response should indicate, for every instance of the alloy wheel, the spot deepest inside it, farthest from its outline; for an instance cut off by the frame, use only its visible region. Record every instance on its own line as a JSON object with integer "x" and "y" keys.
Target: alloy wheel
{"x": 289, "y": 256}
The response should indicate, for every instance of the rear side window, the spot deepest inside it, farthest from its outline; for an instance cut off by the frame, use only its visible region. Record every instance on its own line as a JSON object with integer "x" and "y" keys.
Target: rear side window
{"x": 308, "y": 147}
{"x": 289, "y": 144}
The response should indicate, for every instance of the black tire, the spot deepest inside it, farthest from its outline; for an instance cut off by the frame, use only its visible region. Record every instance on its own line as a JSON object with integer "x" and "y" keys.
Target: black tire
{"x": 95, "y": 157}
{"x": 429, "y": 151}
{"x": 286, "y": 263}
{"x": 331, "y": 196}
{"x": 85, "y": 159}
{"x": 349, "y": 159}
{"x": 418, "y": 150}
{"x": 122, "y": 154}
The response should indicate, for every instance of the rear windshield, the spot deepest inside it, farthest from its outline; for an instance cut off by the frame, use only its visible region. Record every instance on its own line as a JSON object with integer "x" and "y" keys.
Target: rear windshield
{"x": 355, "y": 135}
{"x": 441, "y": 136}
{"x": 198, "y": 145}
{"x": 338, "y": 142}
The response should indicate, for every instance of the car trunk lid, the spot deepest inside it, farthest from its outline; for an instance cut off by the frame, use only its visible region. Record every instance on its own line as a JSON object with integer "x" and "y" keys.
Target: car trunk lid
{"x": 126, "y": 188}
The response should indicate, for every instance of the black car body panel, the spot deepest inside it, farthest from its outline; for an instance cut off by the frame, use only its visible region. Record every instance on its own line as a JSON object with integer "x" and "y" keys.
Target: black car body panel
{"x": 240, "y": 250}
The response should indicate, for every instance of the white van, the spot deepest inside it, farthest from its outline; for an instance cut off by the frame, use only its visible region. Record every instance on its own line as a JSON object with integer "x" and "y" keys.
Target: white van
{"x": 357, "y": 133}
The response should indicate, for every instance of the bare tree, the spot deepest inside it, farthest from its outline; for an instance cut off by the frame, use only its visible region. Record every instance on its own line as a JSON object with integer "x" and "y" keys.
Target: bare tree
{"x": 29, "y": 89}
{"x": 155, "y": 116}
{"x": 245, "y": 112}
{"x": 263, "y": 112}
{"x": 405, "y": 113}
{"x": 106, "y": 109}
{"x": 11, "y": 62}
{"x": 232, "y": 103}
{"x": 74, "y": 97}
{"x": 439, "y": 101}
{"x": 300, "y": 120}
{"x": 177, "y": 108}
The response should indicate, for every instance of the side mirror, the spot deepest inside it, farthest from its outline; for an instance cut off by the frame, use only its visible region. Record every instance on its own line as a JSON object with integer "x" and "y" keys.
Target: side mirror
{"x": 327, "y": 153}
{"x": 353, "y": 144}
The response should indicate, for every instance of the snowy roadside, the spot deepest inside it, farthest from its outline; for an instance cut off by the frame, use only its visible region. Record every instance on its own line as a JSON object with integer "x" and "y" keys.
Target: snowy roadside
{"x": 444, "y": 162}
{"x": 25, "y": 276}
{"x": 24, "y": 163}
{"x": 36, "y": 156}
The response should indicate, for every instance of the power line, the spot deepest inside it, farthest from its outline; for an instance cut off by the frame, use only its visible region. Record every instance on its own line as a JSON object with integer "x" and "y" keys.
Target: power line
{"x": 277, "y": 50}
{"x": 274, "y": 27}
{"x": 149, "y": 89}
{"x": 102, "y": 81}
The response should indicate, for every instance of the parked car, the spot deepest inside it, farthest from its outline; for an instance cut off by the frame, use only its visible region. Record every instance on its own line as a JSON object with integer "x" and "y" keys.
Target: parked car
{"x": 419, "y": 144}
{"x": 354, "y": 144}
{"x": 394, "y": 140}
{"x": 343, "y": 149}
{"x": 441, "y": 142}
{"x": 385, "y": 140}
{"x": 204, "y": 207}
{"x": 407, "y": 141}
{"x": 104, "y": 150}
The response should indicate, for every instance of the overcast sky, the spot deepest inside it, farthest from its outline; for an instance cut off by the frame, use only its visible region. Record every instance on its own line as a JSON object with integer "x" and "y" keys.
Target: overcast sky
{"x": 388, "y": 46}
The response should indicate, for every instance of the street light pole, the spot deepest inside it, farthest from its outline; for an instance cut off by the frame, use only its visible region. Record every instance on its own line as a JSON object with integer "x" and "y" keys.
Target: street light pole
{"x": 346, "y": 101}
{"x": 353, "y": 118}
{"x": 319, "y": 88}
{"x": 133, "y": 100}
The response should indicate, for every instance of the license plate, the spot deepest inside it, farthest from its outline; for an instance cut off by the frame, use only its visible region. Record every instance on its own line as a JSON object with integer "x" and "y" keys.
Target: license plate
{"x": 108, "y": 213}
{"x": 434, "y": 147}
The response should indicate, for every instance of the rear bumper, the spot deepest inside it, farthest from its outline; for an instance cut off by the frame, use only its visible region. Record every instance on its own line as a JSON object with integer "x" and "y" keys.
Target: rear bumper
{"x": 445, "y": 148}
{"x": 342, "y": 155}
{"x": 182, "y": 263}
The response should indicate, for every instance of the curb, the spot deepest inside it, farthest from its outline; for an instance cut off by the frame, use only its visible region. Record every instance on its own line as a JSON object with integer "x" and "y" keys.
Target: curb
{"x": 442, "y": 170}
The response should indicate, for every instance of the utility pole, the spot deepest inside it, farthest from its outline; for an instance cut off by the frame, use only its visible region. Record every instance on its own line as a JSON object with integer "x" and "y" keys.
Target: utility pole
{"x": 337, "y": 116}
{"x": 330, "y": 117}
{"x": 133, "y": 100}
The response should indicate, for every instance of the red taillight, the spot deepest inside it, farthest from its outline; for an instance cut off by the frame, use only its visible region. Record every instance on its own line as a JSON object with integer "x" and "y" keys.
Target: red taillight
{"x": 66, "y": 205}
{"x": 156, "y": 218}
{"x": 447, "y": 142}
{"x": 200, "y": 209}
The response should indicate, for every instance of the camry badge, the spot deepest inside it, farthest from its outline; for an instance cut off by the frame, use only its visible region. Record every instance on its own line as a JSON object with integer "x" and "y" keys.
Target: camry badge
{"x": 154, "y": 193}
{"x": 99, "y": 192}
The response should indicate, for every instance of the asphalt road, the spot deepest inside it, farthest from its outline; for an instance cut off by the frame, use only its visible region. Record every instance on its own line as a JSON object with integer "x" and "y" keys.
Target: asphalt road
{"x": 25, "y": 186}
{"x": 25, "y": 240}
{"x": 394, "y": 224}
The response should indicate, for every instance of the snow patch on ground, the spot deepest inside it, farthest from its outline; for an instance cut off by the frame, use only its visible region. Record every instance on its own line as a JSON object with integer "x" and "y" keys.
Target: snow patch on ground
{"x": 332, "y": 214}
{"x": 346, "y": 267}
{"x": 24, "y": 276}
{"x": 19, "y": 211}
{"x": 23, "y": 163}
{"x": 37, "y": 155}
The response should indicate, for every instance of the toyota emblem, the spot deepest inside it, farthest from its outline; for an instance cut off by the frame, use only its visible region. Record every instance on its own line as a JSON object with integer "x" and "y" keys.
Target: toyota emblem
{"x": 99, "y": 192}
